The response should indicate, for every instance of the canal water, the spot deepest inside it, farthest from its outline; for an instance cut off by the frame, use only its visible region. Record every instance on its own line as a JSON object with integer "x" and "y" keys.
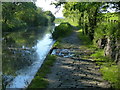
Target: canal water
{"x": 23, "y": 52}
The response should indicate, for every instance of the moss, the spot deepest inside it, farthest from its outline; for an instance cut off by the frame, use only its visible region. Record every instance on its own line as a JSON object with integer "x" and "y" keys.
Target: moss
{"x": 40, "y": 81}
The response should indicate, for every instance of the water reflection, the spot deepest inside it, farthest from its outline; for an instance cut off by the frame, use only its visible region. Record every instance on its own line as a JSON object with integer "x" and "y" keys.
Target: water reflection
{"x": 23, "y": 51}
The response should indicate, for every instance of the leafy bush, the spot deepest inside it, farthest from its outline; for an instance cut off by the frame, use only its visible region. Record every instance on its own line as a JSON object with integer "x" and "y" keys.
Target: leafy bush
{"x": 5, "y": 26}
{"x": 62, "y": 30}
{"x": 109, "y": 29}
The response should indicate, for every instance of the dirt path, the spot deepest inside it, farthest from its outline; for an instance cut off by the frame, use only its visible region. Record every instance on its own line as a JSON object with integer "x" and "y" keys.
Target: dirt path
{"x": 71, "y": 41}
{"x": 75, "y": 72}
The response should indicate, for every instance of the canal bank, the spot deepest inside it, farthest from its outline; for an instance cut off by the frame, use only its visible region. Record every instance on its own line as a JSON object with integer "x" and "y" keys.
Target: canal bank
{"x": 23, "y": 57}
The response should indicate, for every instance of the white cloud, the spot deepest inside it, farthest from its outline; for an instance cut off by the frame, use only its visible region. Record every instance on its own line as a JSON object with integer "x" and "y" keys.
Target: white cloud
{"x": 45, "y": 4}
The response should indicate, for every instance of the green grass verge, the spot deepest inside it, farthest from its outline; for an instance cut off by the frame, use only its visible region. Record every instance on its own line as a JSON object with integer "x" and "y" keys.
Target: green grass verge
{"x": 109, "y": 68}
{"x": 40, "y": 81}
{"x": 111, "y": 74}
{"x": 85, "y": 39}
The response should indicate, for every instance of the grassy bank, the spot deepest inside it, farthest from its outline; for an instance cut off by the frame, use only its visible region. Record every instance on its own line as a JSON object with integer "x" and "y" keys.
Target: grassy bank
{"x": 108, "y": 68}
{"x": 40, "y": 81}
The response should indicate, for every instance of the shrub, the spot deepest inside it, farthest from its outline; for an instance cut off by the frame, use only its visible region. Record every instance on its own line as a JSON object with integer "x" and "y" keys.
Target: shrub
{"x": 62, "y": 30}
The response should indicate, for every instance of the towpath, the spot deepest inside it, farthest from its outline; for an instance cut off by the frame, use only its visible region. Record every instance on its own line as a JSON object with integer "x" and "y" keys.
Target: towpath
{"x": 75, "y": 72}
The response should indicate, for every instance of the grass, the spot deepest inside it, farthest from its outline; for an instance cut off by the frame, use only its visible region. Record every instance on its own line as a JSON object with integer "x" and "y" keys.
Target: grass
{"x": 109, "y": 68}
{"x": 74, "y": 23}
{"x": 110, "y": 73}
{"x": 85, "y": 39}
{"x": 57, "y": 44}
{"x": 59, "y": 20}
{"x": 40, "y": 81}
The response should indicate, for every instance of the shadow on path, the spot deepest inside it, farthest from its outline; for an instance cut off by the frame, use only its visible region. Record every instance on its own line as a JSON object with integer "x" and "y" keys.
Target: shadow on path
{"x": 74, "y": 72}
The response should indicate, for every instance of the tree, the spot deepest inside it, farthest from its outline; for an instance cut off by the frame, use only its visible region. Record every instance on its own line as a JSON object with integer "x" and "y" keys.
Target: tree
{"x": 49, "y": 13}
{"x": 24, "y": 14}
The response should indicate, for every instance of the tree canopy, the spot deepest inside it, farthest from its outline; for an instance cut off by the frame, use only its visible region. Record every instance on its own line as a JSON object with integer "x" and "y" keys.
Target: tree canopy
{"x": 23, "y": 14}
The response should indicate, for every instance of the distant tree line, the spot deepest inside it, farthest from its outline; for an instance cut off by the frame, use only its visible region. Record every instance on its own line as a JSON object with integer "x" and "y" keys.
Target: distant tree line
{"x": 17, "y": 15}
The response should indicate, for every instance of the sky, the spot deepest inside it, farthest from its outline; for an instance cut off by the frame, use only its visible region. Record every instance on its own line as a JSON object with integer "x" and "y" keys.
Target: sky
{"x": 45, "y": 5}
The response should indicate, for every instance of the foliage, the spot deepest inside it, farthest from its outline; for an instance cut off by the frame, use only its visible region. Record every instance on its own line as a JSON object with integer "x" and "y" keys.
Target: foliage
{"x": 24, "y": 14}
{"x": 82, "y": 13}
{"x": 71, "y": 16}
{"x": 59, "y": 20}
{"x": 51, "y": 16}
{"x": 62, "y": 30}
{"x": 39, "y": 81}
{"x": 106, "y": 27}
{"x": 88, "y": 14}
{"x": 96, "y": 25}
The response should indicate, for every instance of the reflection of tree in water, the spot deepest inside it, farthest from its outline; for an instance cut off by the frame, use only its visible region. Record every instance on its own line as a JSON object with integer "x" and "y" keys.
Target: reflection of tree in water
{"x": 17, "y": 59}
{"x": 18, "y": 51}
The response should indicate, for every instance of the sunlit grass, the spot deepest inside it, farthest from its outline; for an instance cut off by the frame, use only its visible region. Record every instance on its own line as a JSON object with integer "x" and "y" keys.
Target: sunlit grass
{"x": 109, "y": 69}
{"x": 57, "y": 44}
{"x": 111, "y": 74}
